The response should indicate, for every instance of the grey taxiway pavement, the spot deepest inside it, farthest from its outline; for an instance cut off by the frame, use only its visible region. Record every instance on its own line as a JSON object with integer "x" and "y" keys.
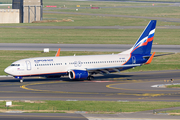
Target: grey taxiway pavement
{"x": 84, "y": 47}
{"x": 147, "y": 115}
{"x": 113, "y": 87}
{"x": 122, "y": 87}
{"x": 41, "y": 116}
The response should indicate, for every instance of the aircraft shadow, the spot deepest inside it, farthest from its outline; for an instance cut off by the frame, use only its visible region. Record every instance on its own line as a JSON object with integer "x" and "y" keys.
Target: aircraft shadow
{"x": 113, "y": 77}
{"x": 109, "y": 77}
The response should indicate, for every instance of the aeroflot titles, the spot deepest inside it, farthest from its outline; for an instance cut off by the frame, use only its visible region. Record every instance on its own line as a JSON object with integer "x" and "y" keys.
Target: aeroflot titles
{"x": 44, "y": 60}
{"x": 50, "y": 60}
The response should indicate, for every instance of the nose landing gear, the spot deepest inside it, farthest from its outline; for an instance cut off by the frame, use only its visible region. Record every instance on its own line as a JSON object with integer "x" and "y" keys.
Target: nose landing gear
{"x": 21, "y": 80}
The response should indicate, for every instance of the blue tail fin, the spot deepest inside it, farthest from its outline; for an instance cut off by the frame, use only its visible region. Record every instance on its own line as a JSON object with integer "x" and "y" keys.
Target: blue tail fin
{"x": 144, "y": 43}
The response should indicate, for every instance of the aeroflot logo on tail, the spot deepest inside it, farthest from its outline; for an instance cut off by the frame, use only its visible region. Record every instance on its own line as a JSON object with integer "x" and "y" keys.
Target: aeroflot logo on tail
{"x": 43, "y": 60}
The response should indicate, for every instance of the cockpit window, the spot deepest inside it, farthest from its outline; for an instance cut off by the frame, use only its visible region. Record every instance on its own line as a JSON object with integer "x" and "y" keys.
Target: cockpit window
{"x": 15, "y": 64}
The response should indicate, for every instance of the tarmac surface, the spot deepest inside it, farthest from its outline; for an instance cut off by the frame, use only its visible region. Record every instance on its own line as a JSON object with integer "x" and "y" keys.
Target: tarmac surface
{"x": 84, "y": 47}
{"x": 113, "y": 87}
{"x": 147, "y": 115}
{"x": 41, "y": 116}
{"x": 122, "y": 87}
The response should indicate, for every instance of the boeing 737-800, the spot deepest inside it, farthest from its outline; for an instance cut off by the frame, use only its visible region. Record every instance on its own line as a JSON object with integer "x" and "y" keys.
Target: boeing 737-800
{"x": 83, "y": 67}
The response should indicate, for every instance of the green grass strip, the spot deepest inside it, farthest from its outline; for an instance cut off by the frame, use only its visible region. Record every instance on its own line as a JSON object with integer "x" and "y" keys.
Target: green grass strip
{"x": 173, "y": 86}
{"x": 90, "y": 106}
{"x": 85, "y": 36}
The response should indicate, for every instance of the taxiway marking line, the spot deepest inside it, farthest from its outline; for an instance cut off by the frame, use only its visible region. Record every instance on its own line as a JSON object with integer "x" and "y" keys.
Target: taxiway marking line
{"x": 148, "y": 95}
{"x": 48, "y": 91}
{"x": 107, "y": 94}
{"x": 110, "y": 86}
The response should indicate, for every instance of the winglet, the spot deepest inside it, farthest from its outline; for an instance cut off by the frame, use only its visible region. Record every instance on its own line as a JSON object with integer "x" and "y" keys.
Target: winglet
{"x": 150, "y": 59}
{"x": 58, "y": 52}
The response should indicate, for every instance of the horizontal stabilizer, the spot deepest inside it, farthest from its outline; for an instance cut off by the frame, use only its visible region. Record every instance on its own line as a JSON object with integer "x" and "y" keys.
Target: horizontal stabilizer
{"x": 150, "y": 59}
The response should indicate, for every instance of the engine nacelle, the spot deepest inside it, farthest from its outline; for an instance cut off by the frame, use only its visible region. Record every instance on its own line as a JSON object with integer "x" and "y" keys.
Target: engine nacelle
{"x": 78, "y": 74}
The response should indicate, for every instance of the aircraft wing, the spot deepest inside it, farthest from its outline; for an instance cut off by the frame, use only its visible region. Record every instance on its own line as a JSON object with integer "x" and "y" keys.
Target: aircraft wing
{"x": 107, "y": 70}
{"x": 58, "y": 53}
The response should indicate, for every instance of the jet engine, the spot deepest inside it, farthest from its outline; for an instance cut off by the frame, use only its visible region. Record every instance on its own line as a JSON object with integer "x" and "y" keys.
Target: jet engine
{"x": 78, "y": 74}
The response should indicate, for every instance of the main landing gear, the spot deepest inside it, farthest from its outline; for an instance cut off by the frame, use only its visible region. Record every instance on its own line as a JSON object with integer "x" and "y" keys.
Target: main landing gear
{"x": 90, "y": 77}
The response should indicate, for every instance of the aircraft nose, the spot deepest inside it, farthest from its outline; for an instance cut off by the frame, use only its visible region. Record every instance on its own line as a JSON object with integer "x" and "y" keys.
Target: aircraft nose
{"x": 7, "y": 70}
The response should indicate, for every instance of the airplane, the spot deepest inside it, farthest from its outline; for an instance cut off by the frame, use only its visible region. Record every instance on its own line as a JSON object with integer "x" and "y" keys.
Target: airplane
{"x": 85, "y": 66}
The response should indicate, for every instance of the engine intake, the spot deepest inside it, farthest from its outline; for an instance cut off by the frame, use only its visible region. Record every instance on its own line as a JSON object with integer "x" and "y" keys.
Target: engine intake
{"x": 78, "y": 74}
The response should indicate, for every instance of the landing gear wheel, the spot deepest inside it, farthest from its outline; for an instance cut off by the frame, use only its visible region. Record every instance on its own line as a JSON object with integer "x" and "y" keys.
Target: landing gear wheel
{"x": 90, "y": 78}
{"x": 21, "y": 81}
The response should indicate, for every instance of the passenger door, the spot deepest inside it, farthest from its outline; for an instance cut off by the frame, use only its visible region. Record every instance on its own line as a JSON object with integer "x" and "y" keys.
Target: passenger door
{"x": 28, "y": 65}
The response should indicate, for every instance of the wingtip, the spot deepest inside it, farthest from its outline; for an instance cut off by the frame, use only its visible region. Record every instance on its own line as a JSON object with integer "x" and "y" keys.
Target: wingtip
{"x": 58, "y": 52}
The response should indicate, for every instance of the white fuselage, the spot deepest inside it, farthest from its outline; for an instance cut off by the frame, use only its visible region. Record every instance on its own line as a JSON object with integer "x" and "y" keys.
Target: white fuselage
{"x": 55, "y": 65}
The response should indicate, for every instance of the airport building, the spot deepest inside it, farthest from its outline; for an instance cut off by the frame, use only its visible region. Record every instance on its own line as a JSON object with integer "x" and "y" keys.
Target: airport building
{"x": 9, "y": 15}
{"x": 23, "y": 11}
{"x": 30, "y": 10}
